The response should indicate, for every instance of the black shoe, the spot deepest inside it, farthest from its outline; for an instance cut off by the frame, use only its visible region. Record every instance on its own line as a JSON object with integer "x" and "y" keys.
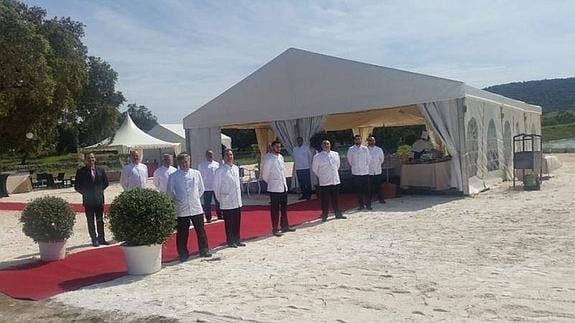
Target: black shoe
{"x": 232, "y": 245}
{"x": 340, "y": 217}
{"x": 95, "y": 243}
{"x": 288, "y": 230}
{"x": 382, "y": 201}
{"x": 184, "y": 258}
{"x": 208, "y": 220}
{"x": 240, "y": 244}
{"x": 360, "y": 208}
{"x": 104, "y": 242}
{"x": 277, "y": 233}
{"x": 369, "y": 208}
{"x": 301, "y": 198}
{"x": 205, "y": 254}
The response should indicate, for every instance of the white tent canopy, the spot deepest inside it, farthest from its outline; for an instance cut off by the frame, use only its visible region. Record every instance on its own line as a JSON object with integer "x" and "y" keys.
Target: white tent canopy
{"x": 175, "y": 132}
{"x": 129, "y": 136}
{"x": 300, "y": 92}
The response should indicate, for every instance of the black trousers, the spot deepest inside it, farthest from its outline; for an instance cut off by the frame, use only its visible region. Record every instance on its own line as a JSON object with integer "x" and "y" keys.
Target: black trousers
{"x": 232, "y": 221}
{"x": 327, "y": 193}
{"x": 279, "y": 204}
{"x": 375, "y": 184}
{"x": 184, "y": 230}
{"x": 304, "y": 180}
{"x": 361, "y": 186}
{"x": 95, "y": 212}
{"x": 208, "y": 195}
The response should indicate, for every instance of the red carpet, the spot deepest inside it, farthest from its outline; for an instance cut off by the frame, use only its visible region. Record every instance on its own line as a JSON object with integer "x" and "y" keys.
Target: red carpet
{"x": 42, "y": 280}
{"x": 19, "y": 206}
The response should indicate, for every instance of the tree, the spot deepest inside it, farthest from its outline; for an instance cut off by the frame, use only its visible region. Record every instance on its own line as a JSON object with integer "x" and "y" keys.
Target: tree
{"x": 99, "y": 102}
{"x": 142, "y": 117}
{"x": 43, "y": 71}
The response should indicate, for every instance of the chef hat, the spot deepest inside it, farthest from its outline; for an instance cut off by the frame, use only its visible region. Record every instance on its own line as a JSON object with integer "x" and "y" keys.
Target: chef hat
{"x": 424, "y": 135}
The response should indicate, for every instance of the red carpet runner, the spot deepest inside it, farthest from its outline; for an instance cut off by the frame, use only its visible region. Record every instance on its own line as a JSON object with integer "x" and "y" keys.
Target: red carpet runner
{"x": 41, "y": 280}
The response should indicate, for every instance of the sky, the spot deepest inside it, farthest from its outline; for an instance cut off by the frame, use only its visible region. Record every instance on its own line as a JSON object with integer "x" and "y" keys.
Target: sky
{"x": 173, "y": 56}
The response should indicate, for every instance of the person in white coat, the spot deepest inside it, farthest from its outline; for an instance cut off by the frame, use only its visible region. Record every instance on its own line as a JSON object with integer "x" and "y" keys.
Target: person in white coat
{"x": 325, "y": 166}
{"x": 358, "y": 158}
{"x": 302, "y": 157}
{"x": 134, "y": 174}
{"x": 274, "y": 176}
{"x": 227, "y": 189}
{"x": 208, "y": 169}
{"x": 162, "y": 174}
{"x": 185, "y": 186}
{"x": 376, "y": 159}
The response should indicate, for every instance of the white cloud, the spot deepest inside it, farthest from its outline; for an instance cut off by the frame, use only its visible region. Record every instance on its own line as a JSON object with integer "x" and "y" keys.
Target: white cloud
{"x": 174, "y": 56}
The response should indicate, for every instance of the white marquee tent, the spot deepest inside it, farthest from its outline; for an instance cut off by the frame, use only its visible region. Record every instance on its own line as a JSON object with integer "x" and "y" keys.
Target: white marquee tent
{"x": 129, "y": 136}
{"x": 175, "y": 132}
{"x": 301, "y": 93}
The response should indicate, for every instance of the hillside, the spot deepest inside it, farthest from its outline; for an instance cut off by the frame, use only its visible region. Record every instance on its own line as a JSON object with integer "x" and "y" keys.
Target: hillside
{"x": 552, "y": 95}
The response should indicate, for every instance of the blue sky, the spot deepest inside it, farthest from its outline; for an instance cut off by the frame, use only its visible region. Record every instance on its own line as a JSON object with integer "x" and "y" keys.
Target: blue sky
{"x": 173, "y": 56}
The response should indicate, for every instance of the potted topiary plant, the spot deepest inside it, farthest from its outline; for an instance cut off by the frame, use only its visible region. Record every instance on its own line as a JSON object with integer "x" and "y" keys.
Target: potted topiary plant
{"x": 143, "y": 219}
{"x": 49, "y": 221}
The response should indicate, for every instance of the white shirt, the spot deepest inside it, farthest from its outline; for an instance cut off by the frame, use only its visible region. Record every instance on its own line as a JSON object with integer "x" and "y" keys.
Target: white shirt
{"x": 133, "y": 176}
{"x": 326, "y": 165}
{"x": 185, "y": 189}
{"x": 208, "y": 171}
{"x": 302, "y": 157}
{"x": 274, "y": 173}
{"x": 376, "y": 158}
{"x": 358, "y": 158}
{"x": 227, "y": 187}
{"x": 161, "y": 177}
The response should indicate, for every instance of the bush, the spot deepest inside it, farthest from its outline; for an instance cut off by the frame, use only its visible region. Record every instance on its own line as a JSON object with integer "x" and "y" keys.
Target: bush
{"x": 48, "y": 219}
{"x": 142, "y": 217}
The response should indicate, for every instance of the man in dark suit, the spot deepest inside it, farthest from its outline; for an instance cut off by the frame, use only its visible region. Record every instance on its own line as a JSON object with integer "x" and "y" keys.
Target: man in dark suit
{"x": 91, "y": 181}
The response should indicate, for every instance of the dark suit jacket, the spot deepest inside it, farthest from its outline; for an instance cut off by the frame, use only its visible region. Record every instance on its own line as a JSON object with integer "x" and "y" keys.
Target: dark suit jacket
{"x": 92, "y": 190}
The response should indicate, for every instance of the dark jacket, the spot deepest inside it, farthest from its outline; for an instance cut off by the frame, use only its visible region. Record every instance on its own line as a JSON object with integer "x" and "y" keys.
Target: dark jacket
{"x": 92, "y": 190}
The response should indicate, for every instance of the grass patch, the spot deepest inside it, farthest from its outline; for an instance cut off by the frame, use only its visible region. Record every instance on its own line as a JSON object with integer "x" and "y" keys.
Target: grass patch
{"x": 557, "y": 132}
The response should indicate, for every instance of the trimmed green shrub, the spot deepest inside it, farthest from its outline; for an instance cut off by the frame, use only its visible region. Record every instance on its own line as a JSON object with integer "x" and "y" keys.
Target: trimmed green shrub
{"x": 142, "y": 217}
{"x": 48, "y": 219}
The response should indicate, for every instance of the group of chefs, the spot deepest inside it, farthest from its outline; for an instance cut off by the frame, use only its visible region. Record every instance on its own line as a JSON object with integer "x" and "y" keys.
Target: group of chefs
{"x": 193, "y": 191}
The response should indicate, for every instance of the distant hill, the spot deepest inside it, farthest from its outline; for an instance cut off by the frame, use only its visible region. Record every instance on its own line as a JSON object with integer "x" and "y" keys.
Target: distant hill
{"x": 551, "y": 95}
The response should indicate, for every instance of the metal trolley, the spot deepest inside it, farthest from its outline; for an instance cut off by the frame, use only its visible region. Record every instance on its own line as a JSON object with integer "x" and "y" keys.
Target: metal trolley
{"x": 528, "y": 158}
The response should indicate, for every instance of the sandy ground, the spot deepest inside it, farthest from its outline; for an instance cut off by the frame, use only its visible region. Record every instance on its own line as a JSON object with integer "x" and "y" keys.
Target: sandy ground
{"x": 504, "y": 255}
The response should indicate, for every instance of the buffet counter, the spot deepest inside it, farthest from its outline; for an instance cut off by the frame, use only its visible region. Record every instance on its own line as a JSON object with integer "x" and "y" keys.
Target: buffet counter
{"x": 433, "y": 174}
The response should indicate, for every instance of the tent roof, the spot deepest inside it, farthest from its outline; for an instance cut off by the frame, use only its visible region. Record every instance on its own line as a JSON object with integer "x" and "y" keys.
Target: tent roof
{"x": 130, "y": 135}
{"x": 299, "y": 84}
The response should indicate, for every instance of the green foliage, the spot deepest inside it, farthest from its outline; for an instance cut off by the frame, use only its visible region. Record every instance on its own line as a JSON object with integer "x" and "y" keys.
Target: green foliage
{"x": 552, "y": 95}
{"x": 241, "y": 138}
{"x": 142, "y": 217}
{"x": 47, "y": 219}
{"x": 142, "y": 117}
{"x": 557, "y": 132}
{"x": 98, "y": 103}
{"x": 555, "y": 118}
{"x": 404, "y": 150}
{"x": 47, "y": 83}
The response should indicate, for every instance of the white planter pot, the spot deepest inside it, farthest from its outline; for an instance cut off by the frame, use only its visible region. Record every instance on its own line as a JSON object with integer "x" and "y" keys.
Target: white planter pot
{"x": 143, "y": 260}
{"x": 50, "y": 251}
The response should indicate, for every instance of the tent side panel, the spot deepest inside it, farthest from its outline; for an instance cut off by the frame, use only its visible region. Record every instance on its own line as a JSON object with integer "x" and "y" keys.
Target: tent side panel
{"x": 201, "y": 139}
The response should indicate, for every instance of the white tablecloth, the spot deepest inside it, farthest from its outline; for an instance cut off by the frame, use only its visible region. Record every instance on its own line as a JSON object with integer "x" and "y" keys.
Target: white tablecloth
{"x": 436, "y": 176}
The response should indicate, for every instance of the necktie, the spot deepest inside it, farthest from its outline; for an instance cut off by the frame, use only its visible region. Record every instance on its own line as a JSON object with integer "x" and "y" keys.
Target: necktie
{"x": 93, "y": 171}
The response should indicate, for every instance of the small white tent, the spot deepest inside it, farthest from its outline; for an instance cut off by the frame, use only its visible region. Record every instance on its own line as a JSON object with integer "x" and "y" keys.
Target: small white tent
{"x": 175, "y": 132}
{"x": 299, "y": 93}
{"x": 129, "y": 136}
